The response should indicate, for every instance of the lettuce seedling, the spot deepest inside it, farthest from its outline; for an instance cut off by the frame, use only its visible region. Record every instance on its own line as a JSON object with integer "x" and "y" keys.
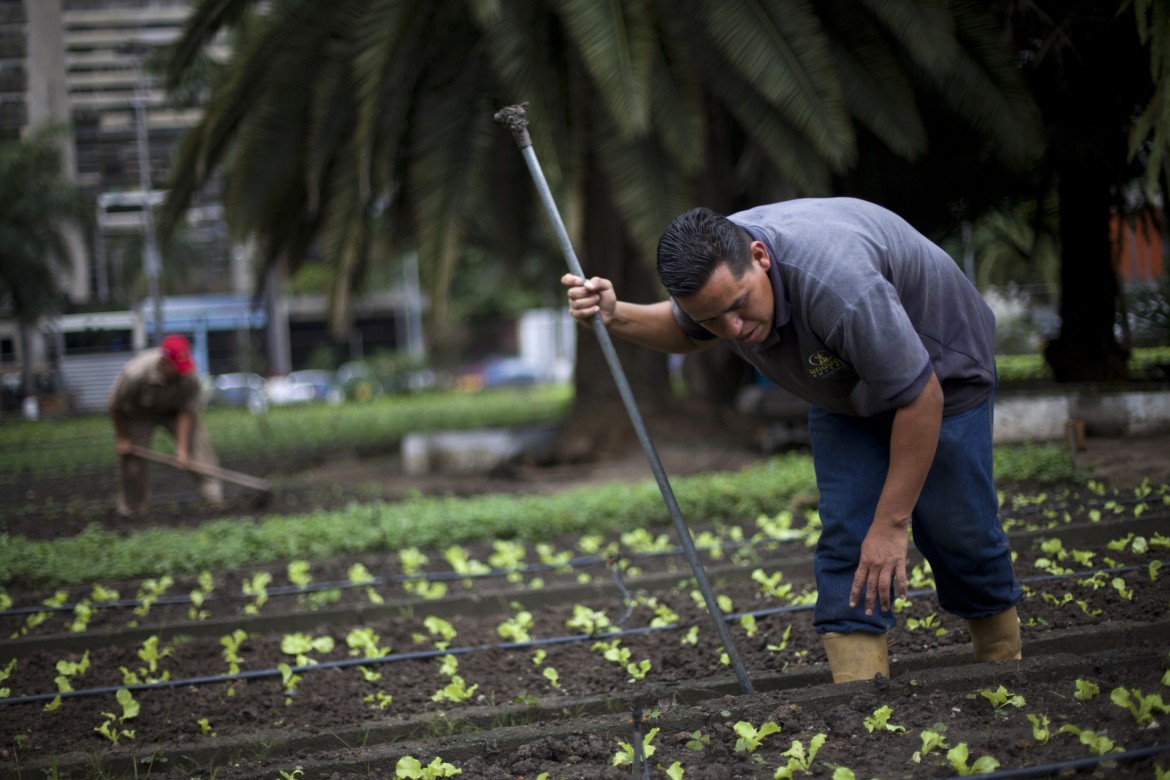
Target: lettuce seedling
{"x": 1099, "y": 744}
{"x": 691, "y": 637}
{"x": 1143, "y": 708}
{"x": 1040, "y": 731}
{"x": 205, "y": 727}
{"x": 750, "y": 738}
{"x": 1001, "y": 697}
{"x": 199, "y": 597}
{"x": 770, "y": 584}
{"x": 797, "y": 759}
{"x": 298, "y": 573}
{"x": 625, "y": 754}
{"x": 82, "y": 614}
{"x": 1086, "y": 689}
{"x": 674, "y": 771}
{"x": 456, "y": 691}
{"x": 516, "y": 627}
{"x": 379, "y": 700}
{"x": 365, "y": 642}
{"x": 589, "y": 621}
{"x": 554, "y": 679}
{"x": 299, "y": 645}
{"x": 880, "y": 720}
{"x": 448, "y": 665}
{"x": 5, "y": 673}
{"x": 130, "y": 710}
{"x": 411, "y": 768}
{"x": 257, "y": 589}
{"x": 151, "y": 591}
{"x": 698, "y": 741}
{"x": 508, "y": 555}
{"x": 931, "y": 741}
{"x": 783, "y": 640}
{"x": 958, "y": 755}
{"x": 441, "y": 628}
{"x": 748, "y": 622}
{"x": 638, "y": 670}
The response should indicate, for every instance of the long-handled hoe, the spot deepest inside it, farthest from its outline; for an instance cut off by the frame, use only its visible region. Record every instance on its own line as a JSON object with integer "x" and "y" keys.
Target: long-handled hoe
{"x": 515, "y": 119}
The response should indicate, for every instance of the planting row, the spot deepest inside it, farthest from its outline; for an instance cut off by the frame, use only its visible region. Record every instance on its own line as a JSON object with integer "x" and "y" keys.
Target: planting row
{"x": 504, "y": 566}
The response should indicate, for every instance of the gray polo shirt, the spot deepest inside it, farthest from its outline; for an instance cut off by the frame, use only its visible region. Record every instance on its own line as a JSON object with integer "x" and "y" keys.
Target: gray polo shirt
{"x": 866, "y": 307}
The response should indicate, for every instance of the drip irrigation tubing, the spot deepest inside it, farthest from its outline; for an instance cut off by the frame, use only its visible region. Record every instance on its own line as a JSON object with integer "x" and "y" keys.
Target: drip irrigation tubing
{"x": 1055, "y": 768}
{"x": 415, "y": 655}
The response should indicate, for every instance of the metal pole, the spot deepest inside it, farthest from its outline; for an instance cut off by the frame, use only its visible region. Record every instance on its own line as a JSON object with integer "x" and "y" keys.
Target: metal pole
{"x": 150, "y": 249}
{"x": 514, "y": 118}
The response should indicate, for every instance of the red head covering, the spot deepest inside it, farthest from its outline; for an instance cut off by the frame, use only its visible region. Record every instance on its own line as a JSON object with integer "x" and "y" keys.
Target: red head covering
{"x": 179, "y": 351}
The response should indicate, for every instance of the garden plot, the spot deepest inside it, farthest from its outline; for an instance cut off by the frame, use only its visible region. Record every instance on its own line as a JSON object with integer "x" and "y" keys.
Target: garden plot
{"x": 539, "y": 663}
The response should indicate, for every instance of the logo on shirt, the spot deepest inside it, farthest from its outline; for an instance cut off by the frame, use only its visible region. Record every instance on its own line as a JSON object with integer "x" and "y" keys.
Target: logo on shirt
{"x": 822, "y": 363}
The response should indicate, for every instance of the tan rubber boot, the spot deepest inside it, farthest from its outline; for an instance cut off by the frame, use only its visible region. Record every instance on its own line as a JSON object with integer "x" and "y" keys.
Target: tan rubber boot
{"x": 996, "y": 638}
{"x": 857, "y": 656}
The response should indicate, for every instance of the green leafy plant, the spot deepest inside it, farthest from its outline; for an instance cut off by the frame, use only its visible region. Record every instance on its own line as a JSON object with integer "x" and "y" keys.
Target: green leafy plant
{"x": 438, "y": 627}
{"x": 698, "y": 741}
{"x": 798, "y": 760}
{"x": 5, "y": 673}
{"x": 930, "y": 623}
{"x": 1001, "y": 697}
{"x": 1040, "y": 731}
{"x": 515, "y": 628}
{"x": 205, "y": 727}
{"x": 625, "y": 754}
{"x": 300, "y": 645}
{"x": 1099, "y": 744}
{"x": 200, "y": 595}
{"x": 931, "y": 741}
{"x": 411, "y": 768}
{"x": 589, "y": 621}
{"x": 151, "y": 654}
{"x": 880, "y": 720}
{"x": 1143, "y": 708}
{"x": 129, "y": 711}
{"x": 958, "y": 756}
{"x": 554, "y": 679}
{"x": 149, "y": 592}
{"x": 675, "y": 771}
{"x": 455, "y": 691}
{"x": 257, "y": 589}
{"x": 1086, "y": 689}
{"x": 749, "y": 738}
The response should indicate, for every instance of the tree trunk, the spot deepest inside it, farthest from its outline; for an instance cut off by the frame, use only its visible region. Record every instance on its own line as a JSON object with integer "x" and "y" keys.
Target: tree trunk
{"x": 600, "y": 423}
{"x": 1086, "y": 350}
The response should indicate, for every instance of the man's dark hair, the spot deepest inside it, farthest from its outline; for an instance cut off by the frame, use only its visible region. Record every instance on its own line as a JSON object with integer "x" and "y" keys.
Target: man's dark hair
{"x": 694, "y": 245}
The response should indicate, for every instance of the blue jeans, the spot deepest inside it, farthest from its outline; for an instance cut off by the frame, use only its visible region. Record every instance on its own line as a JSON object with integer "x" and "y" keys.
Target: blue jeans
{"x": 955, "y": 524}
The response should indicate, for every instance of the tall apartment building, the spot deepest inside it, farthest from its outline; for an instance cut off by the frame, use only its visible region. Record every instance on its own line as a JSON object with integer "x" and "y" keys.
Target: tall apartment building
{"x": 109, "y": 45}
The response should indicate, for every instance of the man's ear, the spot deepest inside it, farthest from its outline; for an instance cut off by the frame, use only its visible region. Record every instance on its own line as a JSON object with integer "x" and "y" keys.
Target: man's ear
{"x": 760, "y": 255}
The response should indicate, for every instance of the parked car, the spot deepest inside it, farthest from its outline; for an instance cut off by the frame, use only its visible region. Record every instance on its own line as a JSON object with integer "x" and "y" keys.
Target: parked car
{"x": 304, "y": 386}
{"x": 506, "y": 371}
{"x": 237, "y": 389}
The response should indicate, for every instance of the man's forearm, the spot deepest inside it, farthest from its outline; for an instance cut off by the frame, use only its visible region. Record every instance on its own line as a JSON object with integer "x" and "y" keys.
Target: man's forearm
{"x": 913, "y": 442}
{"x": 652, "y": 326}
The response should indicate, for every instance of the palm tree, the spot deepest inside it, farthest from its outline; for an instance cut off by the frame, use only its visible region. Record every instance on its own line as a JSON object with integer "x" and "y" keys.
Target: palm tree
{"x": 36, "y": 201}
{"x": 336, "y": 120}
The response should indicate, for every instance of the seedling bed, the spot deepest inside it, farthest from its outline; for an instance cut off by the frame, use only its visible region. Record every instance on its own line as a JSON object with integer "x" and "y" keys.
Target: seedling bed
{"x": 336, "y": 722}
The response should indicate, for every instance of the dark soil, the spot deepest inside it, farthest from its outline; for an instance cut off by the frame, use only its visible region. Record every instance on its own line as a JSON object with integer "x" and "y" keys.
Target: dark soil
{"x": 517, "y": 724}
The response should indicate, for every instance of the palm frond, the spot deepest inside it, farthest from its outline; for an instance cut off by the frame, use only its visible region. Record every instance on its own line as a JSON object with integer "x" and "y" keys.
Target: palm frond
{"x": 206, "y": 20}
{"x": 923, "y": 28}
{"x": 780, "y": 48}
{"x": 615, "y": 40}
{"x": 452, "y": 134}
